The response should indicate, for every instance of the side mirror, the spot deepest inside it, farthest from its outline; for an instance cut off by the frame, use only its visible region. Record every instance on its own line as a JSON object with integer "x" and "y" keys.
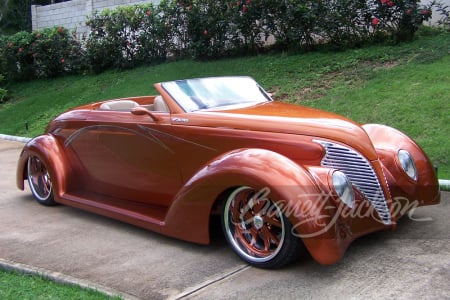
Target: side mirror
{"x": 141, "y": 111}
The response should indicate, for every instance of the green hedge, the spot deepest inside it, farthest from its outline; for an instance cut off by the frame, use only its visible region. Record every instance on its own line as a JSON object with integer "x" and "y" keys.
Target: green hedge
{"x": 47, "y": 53}
{"x": 144, "y": 34}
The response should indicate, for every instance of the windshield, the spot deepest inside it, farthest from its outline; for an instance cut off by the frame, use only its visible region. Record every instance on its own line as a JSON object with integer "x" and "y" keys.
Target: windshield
{"x": 215, "y": 92}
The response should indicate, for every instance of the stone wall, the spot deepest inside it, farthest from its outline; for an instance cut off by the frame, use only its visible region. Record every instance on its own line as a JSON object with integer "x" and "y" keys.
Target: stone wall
{"x": 72, "y": 14}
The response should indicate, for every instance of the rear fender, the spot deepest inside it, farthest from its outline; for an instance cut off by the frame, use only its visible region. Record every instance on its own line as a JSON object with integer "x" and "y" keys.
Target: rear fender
{"x": 290, "y": 185}
{"x": 52, "y": 154}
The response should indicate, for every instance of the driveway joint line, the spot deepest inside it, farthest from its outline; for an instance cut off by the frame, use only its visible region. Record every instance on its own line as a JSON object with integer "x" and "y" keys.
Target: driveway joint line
{"x": 221, "y": 277}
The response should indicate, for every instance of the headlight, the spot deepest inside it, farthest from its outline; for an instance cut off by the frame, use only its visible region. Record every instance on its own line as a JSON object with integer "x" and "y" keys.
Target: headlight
{"x": 407, "y": 164}
{"x": 343, "y": 188}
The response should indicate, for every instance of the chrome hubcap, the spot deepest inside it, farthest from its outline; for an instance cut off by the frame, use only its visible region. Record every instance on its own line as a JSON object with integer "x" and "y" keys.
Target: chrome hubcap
{"x": 258, "y": 222}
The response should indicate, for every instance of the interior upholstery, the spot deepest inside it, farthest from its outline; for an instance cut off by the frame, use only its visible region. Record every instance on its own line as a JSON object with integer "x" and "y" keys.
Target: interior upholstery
{"x": 127, "y": 105}
{"x": 119, "y": 105}
{"x": 160, "y": 104}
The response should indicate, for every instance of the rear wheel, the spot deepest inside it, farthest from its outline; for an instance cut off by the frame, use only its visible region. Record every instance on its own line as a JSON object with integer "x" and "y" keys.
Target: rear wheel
{"x": 257, "y": 229}
{"x": 40, "y": 181}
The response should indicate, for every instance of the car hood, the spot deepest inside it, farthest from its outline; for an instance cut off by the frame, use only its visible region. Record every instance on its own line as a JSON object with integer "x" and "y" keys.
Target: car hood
{"x": 288, "y": 118}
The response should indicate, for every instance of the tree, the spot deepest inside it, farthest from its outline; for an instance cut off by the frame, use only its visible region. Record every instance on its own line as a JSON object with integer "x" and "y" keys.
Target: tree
{"x": 16, "y": 15}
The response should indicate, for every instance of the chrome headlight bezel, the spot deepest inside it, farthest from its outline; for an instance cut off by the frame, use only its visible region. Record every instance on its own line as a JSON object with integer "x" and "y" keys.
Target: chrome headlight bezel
{"x": 407, "y": 164}
{"x": 343, "y": 188}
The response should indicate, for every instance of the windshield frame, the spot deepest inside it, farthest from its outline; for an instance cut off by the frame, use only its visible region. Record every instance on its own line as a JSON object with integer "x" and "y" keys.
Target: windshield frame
{"x": 216, "y": 93}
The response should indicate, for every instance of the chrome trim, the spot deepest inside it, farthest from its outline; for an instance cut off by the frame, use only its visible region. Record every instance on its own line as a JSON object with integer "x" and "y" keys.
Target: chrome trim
{"x": 360, "y": 172}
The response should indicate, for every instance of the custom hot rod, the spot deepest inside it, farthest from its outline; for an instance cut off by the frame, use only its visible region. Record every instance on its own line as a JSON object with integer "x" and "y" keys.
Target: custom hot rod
{"x": 280, "y": 177}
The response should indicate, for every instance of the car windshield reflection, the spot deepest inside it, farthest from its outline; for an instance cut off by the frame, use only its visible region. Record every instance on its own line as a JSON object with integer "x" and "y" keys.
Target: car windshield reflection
{"x": 215, "y": 92}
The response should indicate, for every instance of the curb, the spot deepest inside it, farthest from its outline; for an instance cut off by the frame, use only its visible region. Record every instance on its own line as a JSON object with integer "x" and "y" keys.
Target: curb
{"x": 57, "y": 277}
{"x": 14, "y": 138}
{"x": 444, "y": 184}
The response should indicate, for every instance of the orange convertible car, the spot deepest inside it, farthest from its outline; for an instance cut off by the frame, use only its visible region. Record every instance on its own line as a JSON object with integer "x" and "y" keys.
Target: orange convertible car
{"x": 281, "y": 177}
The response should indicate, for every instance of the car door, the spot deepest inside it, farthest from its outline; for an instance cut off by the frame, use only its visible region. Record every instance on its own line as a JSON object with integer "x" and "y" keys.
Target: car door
{"x": 127, "y": 156}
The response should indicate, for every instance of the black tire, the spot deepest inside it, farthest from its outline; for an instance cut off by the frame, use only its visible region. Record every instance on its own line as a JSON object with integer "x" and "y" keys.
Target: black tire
{"x": 257, "y": 230}
{"x": 40, "y": 181}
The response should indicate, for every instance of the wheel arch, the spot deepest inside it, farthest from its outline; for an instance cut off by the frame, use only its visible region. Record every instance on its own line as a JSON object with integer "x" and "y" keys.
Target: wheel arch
{"x": 189, "y": 215}
{"x": 49, "y": 150}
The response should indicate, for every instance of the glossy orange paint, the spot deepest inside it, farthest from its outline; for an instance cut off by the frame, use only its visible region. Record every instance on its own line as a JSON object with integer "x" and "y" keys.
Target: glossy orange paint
{"x": 169, "y": 171}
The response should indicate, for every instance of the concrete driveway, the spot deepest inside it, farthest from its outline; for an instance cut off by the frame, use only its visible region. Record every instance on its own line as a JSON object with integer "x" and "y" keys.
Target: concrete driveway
{"x": 411, "y": 262}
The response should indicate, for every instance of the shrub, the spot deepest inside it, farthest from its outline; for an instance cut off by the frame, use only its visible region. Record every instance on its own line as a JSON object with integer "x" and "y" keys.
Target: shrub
{"x": 17, "y": 63}
{"x": 400, "y": 18}
{"x": 444, "y": 12}
{"x": 47, "y": 53}
{"x": 55, "y": 53}
{"x": 249, "y": 29}
{"x": 126, "y": 36}
{"x": 3, "y": 92}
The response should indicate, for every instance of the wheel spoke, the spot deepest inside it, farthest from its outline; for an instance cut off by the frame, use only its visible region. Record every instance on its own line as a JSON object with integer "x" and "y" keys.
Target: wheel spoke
{"x": 272, "y": 221}
{"x": 39, "y": 179}
{"x": 259, "y": 206}
{"x": 271, "y": 236}
{"x": 254, "y": 227}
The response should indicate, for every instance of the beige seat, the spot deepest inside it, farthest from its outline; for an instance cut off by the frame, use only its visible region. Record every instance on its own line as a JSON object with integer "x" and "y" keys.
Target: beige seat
{"x": 120, "y": 105}
{"x": 160, "y": 105}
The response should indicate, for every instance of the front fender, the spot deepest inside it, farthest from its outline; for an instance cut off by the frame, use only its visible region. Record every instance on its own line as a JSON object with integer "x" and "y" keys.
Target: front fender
{"x": 405, "y": 192}
{"x": 51, "y": 153}
{"x": 291, "y": 186}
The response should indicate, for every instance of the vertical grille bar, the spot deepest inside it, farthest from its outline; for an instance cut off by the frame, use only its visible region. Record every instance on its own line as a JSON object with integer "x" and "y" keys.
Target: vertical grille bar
{"x": 360, "y": 172}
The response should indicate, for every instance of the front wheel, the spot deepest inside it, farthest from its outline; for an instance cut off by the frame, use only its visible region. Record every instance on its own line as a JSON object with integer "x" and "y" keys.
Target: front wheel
{"x": 257, "y": 230}
{"x": 40, "y": 181}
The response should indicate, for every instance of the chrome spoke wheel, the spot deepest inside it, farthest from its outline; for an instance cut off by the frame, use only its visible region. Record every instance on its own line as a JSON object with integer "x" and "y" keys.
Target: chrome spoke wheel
{"x": 254, "y": 225}
{"x": 39, "y": 180}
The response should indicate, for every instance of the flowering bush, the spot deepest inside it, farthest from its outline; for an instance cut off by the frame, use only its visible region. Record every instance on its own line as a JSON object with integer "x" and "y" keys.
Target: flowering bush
{"x": 208, "y": 24}
{"x": 248, "y": 24}
{"x": 143, "y": 34}
{"x": 55, "y": 52}
{"x": 398, "y": 18}
{"x": 47, "y": 53}
{"x": 17, "y": 63}
{"x": 126, "y": 36}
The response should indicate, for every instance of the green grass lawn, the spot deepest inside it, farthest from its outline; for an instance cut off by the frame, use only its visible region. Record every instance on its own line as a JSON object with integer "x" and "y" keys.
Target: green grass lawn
{"x": 21, "y": 286}
{"x": 406, "y": 86}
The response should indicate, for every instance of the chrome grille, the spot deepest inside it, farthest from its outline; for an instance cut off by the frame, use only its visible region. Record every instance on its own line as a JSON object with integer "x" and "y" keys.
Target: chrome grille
{"x": 360, "y": 172}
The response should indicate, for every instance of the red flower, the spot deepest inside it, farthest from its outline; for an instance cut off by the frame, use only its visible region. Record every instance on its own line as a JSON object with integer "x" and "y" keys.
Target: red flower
{"x": 205, "y": 32}
{"x": 60, "y": 29}
{"x": 62, "y": 60}
{"x": 384, "y": 1}
{"x": 20, "y": 49}
{"x": 148, "y": 13}
{"x": 248, "y": 2}
{"x": 426, "y": 12}
{"x": 390, "y": 3}
{"x": 375, "y": 21}
{"x": 409, "y": 11}
{"x": 189, "y": 7}
{"x": 244, "y": 8}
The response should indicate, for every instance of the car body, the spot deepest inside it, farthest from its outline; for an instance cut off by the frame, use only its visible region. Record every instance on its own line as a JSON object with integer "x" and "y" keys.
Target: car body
{"x": 281, "y": 177}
